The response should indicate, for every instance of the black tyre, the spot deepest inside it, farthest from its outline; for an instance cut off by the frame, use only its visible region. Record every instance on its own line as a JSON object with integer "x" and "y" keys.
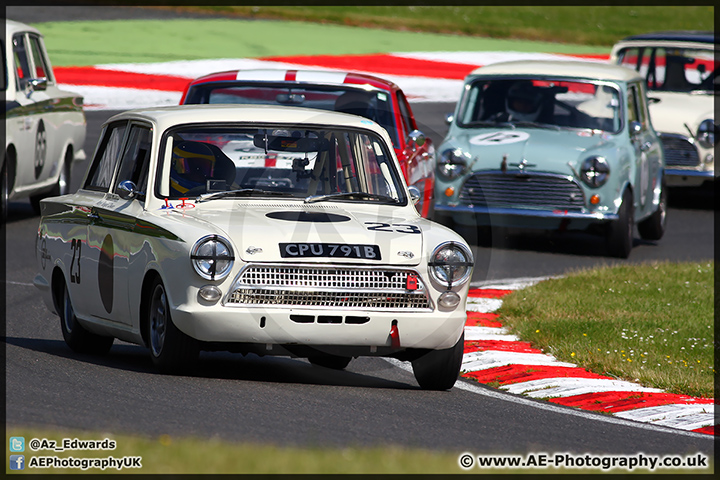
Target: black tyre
{"x": 330, "y": 361}
{"x": 171, "y": 350}
{"x": 61, "y": 187}
{"x": 5, "y": 187}
{"x": 76, "y": 336}
{"x": 619, "y": 233}
{"x": 439, "y": 369}
{"x": 653, "y": 227}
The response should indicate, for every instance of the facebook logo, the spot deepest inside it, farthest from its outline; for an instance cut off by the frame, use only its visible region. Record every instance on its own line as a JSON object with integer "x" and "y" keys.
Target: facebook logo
{"x": 17, "y": 462}
{"x": 17, "y": 444}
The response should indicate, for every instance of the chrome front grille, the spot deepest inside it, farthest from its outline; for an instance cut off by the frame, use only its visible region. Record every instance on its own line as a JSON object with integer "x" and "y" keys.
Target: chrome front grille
{"x": 361, "y": 288}
{"x": 679, "y": 151}
{"x": 533, "y": 190}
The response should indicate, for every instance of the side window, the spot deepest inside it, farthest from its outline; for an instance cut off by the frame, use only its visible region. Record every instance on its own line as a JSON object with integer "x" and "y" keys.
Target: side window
{"x": 39, "y": 60}
{"x": 22, "y": 62}
{"x": 634, "y": 104}
{"x": 630, "y": 57}
{"x": 408, "y": 125}
{"x": 643, "y": 116}
{"x": 106, "y": 158}
{"x": 135, "y": 158}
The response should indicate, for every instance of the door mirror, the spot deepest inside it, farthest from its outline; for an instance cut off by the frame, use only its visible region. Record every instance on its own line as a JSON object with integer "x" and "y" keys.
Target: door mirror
{"x": 37, "y": 85}
{"x": 417, "y": 138}
{"x": 415, "y": 194}
{"x": 635, "y": 127}
{"x": 127, "y": 190}
{"x": 449, "y": 118}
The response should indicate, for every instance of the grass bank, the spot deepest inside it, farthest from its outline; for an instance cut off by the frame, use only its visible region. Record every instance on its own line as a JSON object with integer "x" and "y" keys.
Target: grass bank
{"x": 651, "y": 324}
{"x": 588, "y": 25}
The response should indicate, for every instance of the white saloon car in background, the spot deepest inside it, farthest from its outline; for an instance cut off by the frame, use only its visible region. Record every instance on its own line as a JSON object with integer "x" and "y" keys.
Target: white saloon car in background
{"x": 679, "y": 69}
{"x": 44, "y": 126}
{"x": 254, "y": 229}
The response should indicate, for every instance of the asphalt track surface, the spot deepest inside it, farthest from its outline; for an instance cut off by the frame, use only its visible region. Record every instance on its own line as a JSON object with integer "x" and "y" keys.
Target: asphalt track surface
{"x": 285, "y": 401}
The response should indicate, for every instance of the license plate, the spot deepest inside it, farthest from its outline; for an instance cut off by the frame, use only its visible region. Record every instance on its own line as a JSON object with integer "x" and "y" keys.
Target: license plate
{"x": 330, "y": 250}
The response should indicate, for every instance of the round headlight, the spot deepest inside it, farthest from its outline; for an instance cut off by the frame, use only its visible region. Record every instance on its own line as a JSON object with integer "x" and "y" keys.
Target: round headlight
{"x": 594, "y": 171}
{"x": 452, "y": 163}
{"x": 212, "y": 257}
{"x": 451, "y": 264}
{"x": 706, "y": 133}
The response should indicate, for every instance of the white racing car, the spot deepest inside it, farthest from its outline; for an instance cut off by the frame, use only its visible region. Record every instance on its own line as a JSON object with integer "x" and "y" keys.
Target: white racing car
{"x": 266, "y": 230}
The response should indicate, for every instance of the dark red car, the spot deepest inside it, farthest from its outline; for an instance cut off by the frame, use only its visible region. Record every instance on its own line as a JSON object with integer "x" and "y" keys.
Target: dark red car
{"x": 372, "y": 97}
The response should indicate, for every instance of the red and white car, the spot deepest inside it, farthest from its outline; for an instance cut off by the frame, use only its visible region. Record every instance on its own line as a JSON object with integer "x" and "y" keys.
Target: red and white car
{"x": 375, "y": 98}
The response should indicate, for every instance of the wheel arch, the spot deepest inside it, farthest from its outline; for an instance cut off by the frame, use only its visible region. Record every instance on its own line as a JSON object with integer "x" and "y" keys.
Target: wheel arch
{"x": 57, "y": 284}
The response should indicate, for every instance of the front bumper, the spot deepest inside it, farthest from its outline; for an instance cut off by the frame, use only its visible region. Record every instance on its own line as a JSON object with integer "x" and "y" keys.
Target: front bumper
{"x": 675, "y": 177}
{"x": 291, "y": 326}
{"x": 524, "y": 218}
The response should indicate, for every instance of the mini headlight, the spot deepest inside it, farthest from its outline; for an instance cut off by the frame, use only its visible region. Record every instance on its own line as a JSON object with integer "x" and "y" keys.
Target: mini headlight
{"x": 706, "y": 133}
{"x": 212, "y": 257}
{"x": 451, "y": 264}
{"x": 452, "y": 163}
{"x": 594, "y": 171}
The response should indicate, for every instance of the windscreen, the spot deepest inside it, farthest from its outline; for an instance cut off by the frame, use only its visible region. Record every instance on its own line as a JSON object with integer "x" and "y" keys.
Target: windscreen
{"x": 542, "y": 102}
{"x": 375, "y": 105}
{"x": 278, "y": 161}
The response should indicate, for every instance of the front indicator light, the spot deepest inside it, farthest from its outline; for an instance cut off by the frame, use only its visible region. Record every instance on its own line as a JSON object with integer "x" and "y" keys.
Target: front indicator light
{"x": 449, "y": 192}
{"x": 594, "y": 200}
{"x": 210, "y": 293}
{"x": 449, "y": 300}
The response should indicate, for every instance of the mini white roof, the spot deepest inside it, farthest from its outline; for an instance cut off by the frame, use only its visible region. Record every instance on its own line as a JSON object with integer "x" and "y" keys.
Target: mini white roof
{"x": 559, "y": 68}
{"x": 166, "y": 117}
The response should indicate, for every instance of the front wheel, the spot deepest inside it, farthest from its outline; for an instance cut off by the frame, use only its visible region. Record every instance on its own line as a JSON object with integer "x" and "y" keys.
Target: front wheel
{"x": 619, "y": 233}
{"x": 653, "y": 227}
{"x": 75, "y": 335}
{"x": 439, "y": 369}
{"x": 171, "y": 350}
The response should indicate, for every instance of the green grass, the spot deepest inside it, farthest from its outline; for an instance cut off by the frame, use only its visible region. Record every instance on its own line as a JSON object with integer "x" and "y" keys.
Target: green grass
{"x": 651, "y": 324}
{"x": 588, "y": 25}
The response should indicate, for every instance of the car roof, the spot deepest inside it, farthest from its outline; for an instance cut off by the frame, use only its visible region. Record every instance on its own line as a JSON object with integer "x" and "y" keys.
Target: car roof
{"x": 676, "y": 36}
{"x": 559, "y": 68}
{"x": 314, "y": 77}
{"x": 11, "y": 26}
{"x": 166, "y": 117}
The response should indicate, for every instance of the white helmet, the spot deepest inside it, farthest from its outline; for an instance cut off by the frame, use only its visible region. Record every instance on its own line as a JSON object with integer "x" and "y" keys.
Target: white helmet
{"x": 523, "y": 101}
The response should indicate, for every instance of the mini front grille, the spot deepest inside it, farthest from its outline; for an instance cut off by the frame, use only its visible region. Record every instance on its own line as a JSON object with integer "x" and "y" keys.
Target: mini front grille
{"x": 328, "y": 287}
{"x": 679, "y": 151}
{"x": 529, "y": 190}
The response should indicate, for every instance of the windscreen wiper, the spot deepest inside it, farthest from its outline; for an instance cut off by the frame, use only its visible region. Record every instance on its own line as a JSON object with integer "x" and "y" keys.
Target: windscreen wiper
{"x": 362, "y": 195}
{"x": 238, "y": 193}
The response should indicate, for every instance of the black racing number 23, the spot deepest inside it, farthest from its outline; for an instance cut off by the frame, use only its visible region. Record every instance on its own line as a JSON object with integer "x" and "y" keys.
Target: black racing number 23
{"x": 387, "y": 227}
{"x": 75, "y": 262}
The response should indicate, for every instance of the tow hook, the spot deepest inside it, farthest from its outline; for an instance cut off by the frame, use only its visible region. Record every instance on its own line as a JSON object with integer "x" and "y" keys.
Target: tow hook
{"x": 394, "y": 335}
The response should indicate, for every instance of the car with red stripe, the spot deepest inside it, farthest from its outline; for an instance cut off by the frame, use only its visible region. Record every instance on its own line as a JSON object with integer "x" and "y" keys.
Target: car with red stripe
{"x": 375, "y": 98}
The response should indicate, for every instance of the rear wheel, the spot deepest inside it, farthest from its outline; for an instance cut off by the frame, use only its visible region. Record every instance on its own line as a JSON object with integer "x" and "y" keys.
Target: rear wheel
{"x": 439, "y": 369}
{"x": 653, "y": 227}
{"x": 330, "y": 361}
{"x": 619, "y": 233}
{"x": 171, "y": 350}
{"x": 76, "y": 336}
{"x": 62, "y": 187}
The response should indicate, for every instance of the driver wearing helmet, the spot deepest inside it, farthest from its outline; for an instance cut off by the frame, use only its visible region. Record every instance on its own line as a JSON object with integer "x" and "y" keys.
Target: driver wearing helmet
{"x": 523, "y": 102}
{"x": 192, "y": 164}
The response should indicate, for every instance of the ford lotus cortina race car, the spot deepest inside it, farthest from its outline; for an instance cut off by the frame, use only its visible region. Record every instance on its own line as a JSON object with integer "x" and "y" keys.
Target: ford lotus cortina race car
{"x": 356, "y": 93}
{"x": 254, "y": 229}
{"x": 680, "y": 72}
{"x": 44, "y": 126}
{"x": 554, "y": 145}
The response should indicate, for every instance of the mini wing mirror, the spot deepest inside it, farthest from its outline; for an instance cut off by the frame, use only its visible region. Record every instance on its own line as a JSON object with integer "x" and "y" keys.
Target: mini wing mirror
{"x": 635, "y": 127}
{"x": 449, "y": 118}
{"x": 415, "y": 194}
{"x": 127, "y": 190}
{"x": 416, "y": 137}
